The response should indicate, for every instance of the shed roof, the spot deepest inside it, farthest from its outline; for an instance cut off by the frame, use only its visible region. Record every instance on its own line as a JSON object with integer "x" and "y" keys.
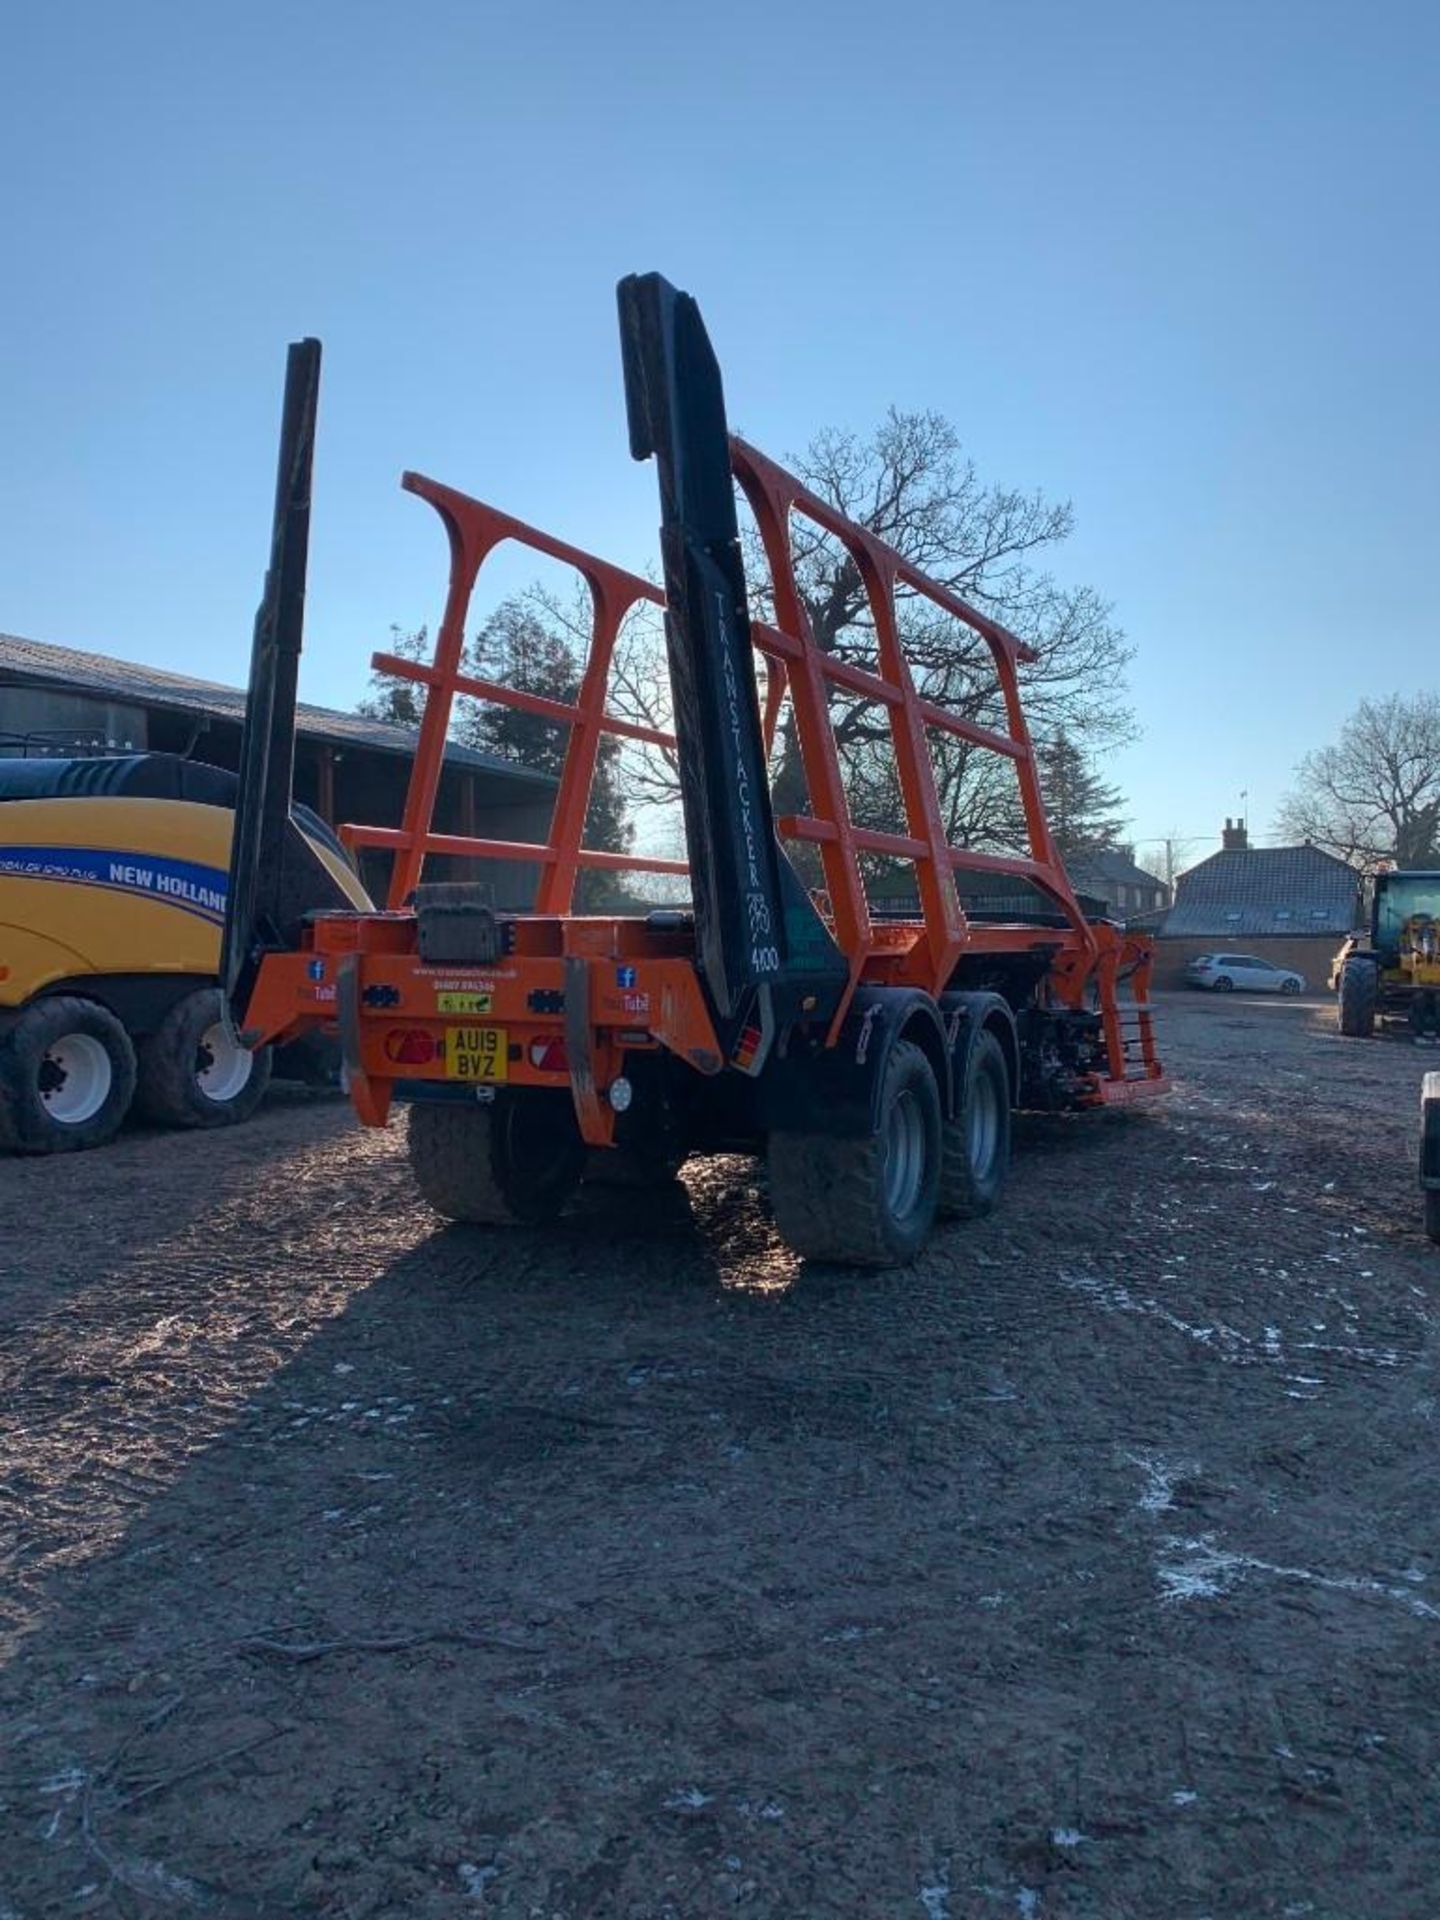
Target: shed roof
{"x": 1112, "y": 867}
{"x": 69, "y": 669}
{"x": 1260, "y": 890}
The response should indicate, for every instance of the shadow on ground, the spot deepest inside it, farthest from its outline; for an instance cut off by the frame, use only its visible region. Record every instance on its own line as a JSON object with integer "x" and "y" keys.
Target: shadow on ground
{"x": 636, "y": 1570}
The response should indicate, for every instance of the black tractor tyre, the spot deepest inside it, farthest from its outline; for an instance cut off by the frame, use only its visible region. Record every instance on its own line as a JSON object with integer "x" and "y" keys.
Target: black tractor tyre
{"x": 67, "y": 1077}
{"x": 512, "y": 1163}
{"x": 1224, "y": 984}
{"x": 868, "y": 1201}
{"x": 975, "y": 1145}
{"x": 194, "y": 1072}
{"x": 1359, "y": 992}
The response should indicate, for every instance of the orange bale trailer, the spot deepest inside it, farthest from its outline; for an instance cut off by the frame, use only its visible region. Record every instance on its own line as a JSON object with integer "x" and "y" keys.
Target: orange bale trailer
{"x": 874, "y": 1057}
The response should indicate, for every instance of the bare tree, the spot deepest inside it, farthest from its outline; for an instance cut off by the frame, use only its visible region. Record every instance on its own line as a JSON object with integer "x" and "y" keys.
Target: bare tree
{"x": 1375, "y": 793}
{"x": 910, "y": 483}
{"x": 1169, "y": 854}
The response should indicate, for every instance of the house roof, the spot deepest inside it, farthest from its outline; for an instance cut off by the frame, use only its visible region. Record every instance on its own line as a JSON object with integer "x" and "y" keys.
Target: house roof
{"x": 1259, "y": 890}
{"x": 1112, "y": 868}
{"x": 68, "y": 669}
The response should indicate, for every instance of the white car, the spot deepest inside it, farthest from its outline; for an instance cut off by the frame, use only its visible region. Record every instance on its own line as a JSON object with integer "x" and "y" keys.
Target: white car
{"x": 1223, "y": 972}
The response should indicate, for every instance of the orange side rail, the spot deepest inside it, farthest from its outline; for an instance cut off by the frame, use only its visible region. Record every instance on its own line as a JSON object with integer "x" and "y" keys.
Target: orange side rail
{"x": 475, "y": 531}
{"x": 775, "y": 496}
{"x": 799, "y": 669}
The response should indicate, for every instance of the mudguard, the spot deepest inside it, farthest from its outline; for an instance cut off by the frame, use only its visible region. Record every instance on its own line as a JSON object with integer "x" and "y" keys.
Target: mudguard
{"x": 967, "y": 1014}
{"x": 837, "y": 1090}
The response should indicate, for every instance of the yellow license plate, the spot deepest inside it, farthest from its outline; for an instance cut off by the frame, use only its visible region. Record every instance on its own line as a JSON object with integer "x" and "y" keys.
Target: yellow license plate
{"x": 476, "y": 1053}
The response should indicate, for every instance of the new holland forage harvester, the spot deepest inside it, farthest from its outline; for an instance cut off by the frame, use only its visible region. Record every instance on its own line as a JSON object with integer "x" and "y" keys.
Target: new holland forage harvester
{"x": 874, "y": 1061}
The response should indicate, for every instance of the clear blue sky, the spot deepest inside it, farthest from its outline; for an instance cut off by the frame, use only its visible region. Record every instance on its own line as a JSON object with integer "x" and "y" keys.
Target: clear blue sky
{"x": 1175, "y": 262}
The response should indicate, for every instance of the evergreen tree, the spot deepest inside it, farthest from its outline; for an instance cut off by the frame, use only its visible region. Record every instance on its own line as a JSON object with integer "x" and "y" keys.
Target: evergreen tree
{"x": 521, "y": 645}
{"x": 400, "y": 702}
{"x": 534, "y": 647}
{"x": 1086, "y": 815}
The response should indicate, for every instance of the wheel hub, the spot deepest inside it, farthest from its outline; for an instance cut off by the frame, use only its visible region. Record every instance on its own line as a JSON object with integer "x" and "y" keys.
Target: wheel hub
{"x": 75, "y": 1078}
{"x": 983, "y": 1129}
{"x": 904, "y": 1154}
{"x": 222, "y": 1066}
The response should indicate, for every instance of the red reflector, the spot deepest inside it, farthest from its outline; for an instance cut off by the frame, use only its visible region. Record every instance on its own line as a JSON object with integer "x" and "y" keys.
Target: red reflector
{"x": 410, "y": 1047}
{"x": 549, "y": 1056}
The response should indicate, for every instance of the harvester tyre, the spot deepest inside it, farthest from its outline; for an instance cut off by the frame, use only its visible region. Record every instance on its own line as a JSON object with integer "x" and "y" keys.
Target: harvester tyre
{"x": 512, "y": 1163}
{"x": 67, "y": 1077}
{"x": 1359, "y": 991}
{"x": 868, "y": 1201}
{"x": 975, "y": 1145}
{"x": 193, "y": 1072}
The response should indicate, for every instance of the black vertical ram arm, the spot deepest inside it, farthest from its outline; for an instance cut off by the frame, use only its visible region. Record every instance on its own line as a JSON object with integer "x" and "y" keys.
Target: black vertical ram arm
{"x": 253, "y": 916}
{"x": 755, "y": 926}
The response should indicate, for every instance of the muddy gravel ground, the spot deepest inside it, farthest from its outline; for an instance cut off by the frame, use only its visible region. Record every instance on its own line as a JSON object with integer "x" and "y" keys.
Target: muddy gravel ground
{"x": 356, "y": 1565}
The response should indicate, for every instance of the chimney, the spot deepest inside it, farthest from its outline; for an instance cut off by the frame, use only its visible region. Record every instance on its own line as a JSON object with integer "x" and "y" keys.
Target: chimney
{"x": 1235, "y": 839}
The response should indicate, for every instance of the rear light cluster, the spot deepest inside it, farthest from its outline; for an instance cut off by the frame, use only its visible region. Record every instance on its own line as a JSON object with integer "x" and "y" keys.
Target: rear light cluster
{"x": 414, "y": 1047}
{"x": 410, "y": 1047}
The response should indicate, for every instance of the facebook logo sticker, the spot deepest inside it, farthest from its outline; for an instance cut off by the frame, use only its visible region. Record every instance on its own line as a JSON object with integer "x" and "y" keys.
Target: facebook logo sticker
{"x": 625, "y": 976}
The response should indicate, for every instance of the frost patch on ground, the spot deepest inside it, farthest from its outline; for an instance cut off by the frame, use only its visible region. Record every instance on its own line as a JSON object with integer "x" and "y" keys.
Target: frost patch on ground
{"x": 1118, "y": 1298}
{"x": 1226, "y": 1341}
{"x": 1158, "y": 1493}
{"x": 759, "y": 1809}
{"x": 935, "y": 1898}
{"x": 154, "y": 1880}
{"x": 687, "y": 1800}
{"x": 1205, "y": 1571}
{"x": 69, "y": 1780}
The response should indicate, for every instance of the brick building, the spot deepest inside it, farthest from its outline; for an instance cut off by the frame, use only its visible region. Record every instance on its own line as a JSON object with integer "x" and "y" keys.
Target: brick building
{"x": 1289, "y": 905}
{"x": 1113, "y": 877}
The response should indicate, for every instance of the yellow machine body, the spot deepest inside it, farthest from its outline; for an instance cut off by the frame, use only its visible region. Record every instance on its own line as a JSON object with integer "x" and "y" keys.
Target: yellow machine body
{"x": 106, "y": 884}
{"x": 1420, "y": 951}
